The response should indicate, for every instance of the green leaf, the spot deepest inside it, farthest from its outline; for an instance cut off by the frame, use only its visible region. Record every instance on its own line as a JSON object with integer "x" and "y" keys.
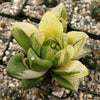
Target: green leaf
{"x": 37, "y": 63}
{"x": 21, "y": 50}
{"x": 49, "y": 49}
{"x": 68, "y": 83}
{"x": 62, "y": 39}
{"x": 17, "y": 68}
{"x": 47, "y": 52}
{"x": 37, "y": 40}
{"x": 60, "y": 11}
{"x": 22, "y": 39}
{"x": 85, "y": 51}
{"x": 62, "y": 71}
{"x": 59, "y": 78}
{"x": 63, "y": 13}
{"x": 74, "y": 82}
{"x": 7, "y": 72}
{"x": 61, "y": 57}
{"x": 30, "y": 83}
{"x": 26, "y": 27}
{"x": 65, "y": 27}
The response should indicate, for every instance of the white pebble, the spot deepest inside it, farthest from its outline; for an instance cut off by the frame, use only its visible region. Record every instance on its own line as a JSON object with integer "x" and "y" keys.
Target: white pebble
{"x": 67, "y": 91}
{"x": 11, "y": 85}
{"x": 10, "y": 44}
{"x": 1, "y": 53}
{"x": 1, "y": 77}
{"x": 76, "y": 8}
{"x": 0, "y": 41}
{"x": 98, "y": 86}
{"x": 16, "y": 1}
{"x": 7, "y": 52}
{"x": 4, "y": 58}
{"x": 34, "y": 96}
{"x": 13, "y": 53}
{"x": 81, "y": 95}
{"x": 89, "y": 96}
{"x": 59, "y": 94}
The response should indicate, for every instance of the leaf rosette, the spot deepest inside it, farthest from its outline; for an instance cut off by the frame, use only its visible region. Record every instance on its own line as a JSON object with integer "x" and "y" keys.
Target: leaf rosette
{"x": 48, "y": 49}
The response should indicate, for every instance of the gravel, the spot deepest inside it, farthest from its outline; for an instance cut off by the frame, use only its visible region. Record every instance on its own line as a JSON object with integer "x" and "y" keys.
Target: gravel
{"x": 82, "y": 19}
{"x": 36, "y": 8}
{"x": 12, "y": 8}
{"x": 5, "y": 33}
{"x": 92, "y": 60}
{"x": 12, "y": 50}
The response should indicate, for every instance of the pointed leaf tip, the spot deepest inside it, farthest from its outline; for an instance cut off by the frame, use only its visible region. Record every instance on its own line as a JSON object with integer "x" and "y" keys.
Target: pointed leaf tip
{"x": 50, "y": 25}
{"x": 26, "y": 27}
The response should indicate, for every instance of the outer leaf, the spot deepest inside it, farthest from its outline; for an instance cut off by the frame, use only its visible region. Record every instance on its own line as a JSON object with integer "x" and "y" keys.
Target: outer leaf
{"x": 63, "y": 56}
{"x": 74, "y": 66}
{"x": 71, "y": 84}
{"x": 77, "y": 39}
{"x": 76, "y": 36}
{"x": 59, "y": 78}
{"x": 60, "y": 13}
{"x": 78, "y": 47}
{"x": 36, "y": 63}
{"x": 37, "y": 40}
{"x": 18, "y": 69}
{"x": 26, "y": 27}
{"x": 74, "y": 82}
{"x": 62, "y": 71}
{"x": 22, "y": 39}
{"x": 49, "y": 49}
{"x": 83, "y": 53}
{"x": 62, "y": 39}
{"x": 50, "y": 25}
{"x": 30, "y": 83}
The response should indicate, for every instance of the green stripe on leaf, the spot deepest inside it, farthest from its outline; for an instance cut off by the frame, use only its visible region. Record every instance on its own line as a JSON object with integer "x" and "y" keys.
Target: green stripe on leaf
{"x": 22, "y": 39}
{"x": 16, "y": 68}
{"x": 37, "y": 63}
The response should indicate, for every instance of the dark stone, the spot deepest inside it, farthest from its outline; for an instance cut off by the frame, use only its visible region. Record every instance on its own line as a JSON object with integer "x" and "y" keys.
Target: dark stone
{"x": 86, "y": 22}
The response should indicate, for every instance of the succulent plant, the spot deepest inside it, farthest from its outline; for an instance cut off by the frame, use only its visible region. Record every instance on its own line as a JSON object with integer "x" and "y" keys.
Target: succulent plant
{"x": 95, "y": 9}
{"x": 48, "y": 50}
{"x": 10, "y": 94}
{"x": 50, "y": 3}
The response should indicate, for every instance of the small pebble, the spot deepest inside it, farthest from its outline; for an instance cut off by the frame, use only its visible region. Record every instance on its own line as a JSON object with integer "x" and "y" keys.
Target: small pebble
{"x": 98, "y": 86}
{"x": 4, "y": 58}
{"x": 89, "y": 96}
{"x": 3, "y": 25}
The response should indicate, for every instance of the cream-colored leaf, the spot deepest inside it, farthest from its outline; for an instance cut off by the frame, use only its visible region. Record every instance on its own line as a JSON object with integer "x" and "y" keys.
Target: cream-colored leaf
{"x": 75, "y": 36}
{"x": 26, "y": 27}
{"x": 50, "y": 25}
{"x": 76, "y": 66}
{"x": 77, "y": 39}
